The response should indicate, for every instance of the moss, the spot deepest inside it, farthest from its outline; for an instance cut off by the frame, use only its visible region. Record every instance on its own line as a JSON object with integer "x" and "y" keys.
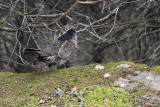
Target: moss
{"x": 2, "y": 74}
{"x": 141, "y": 67}
{"x": 132, "y": 81}
{"x": 158, "y": 92}
{"x": 23, "y": 87}
{"x": 155, "y": 70}
{"x": 26, "y": 85}
{"x": 141, "y": 89}
{"x": 32, "y": 102}
{"x": 105, "y": 96}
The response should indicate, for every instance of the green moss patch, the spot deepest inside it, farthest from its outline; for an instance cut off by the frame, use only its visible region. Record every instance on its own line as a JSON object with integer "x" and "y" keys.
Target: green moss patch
{"x": 155, "y": 70}
{"x": 101, "y": 96}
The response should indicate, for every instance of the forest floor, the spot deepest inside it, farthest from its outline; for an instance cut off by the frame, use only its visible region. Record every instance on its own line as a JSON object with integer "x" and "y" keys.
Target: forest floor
{"x": 118, "y": 84}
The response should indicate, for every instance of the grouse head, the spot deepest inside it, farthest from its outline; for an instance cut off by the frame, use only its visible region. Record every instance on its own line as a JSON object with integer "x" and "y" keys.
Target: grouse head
{"x": 68, "y": 35}
{"x": 71, "y": 24}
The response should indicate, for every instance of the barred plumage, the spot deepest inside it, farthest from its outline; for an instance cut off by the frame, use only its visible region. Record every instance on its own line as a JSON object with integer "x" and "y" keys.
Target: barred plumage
{"x": 67, "y": 49}
{"x": 57, "y": 53}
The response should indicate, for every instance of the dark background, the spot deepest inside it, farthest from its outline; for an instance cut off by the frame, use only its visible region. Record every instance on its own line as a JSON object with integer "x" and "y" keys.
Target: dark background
{"x": 109, "y": 31}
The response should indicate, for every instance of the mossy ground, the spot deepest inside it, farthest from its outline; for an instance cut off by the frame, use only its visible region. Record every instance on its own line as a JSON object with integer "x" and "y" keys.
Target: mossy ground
{"x": 26, "y": 89}
{"x": 104, "y": 96}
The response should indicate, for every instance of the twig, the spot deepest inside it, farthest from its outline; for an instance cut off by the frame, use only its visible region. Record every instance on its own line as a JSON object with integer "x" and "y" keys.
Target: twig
{"x": 13, "y": 50}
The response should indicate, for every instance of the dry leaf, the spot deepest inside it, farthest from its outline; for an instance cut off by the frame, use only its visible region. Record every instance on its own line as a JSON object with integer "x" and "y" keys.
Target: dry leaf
{"x": 87, "y": 87}
{"x": 74, "y": 88}
{"x": 152, "y": 101}
{"x": 148, "y": 105}
{"x": 42, "y": 101}
{"x": 105, "y": 100}
{"x": 54, "y": 101}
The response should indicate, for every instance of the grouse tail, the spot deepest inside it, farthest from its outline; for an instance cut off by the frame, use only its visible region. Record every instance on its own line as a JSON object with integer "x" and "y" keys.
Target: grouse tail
{"x": 34, "y": 52}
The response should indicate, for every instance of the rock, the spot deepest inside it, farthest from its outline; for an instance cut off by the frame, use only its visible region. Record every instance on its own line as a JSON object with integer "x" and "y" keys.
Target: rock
{"x": 148, "y": 79}
{"x": 123, "y": 65}
{"x": 106, "y": 75}
{"x": 99, "y": 67}
{"x": 125, "y": 83}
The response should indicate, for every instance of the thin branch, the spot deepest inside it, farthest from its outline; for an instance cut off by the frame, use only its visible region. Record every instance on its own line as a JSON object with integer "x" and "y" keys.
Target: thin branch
{"x": 13, "y": 50}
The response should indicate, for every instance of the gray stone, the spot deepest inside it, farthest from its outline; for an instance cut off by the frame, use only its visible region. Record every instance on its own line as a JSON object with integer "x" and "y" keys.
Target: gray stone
{"x": 148, "y": 79}
{"x": 125, "y": 83}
